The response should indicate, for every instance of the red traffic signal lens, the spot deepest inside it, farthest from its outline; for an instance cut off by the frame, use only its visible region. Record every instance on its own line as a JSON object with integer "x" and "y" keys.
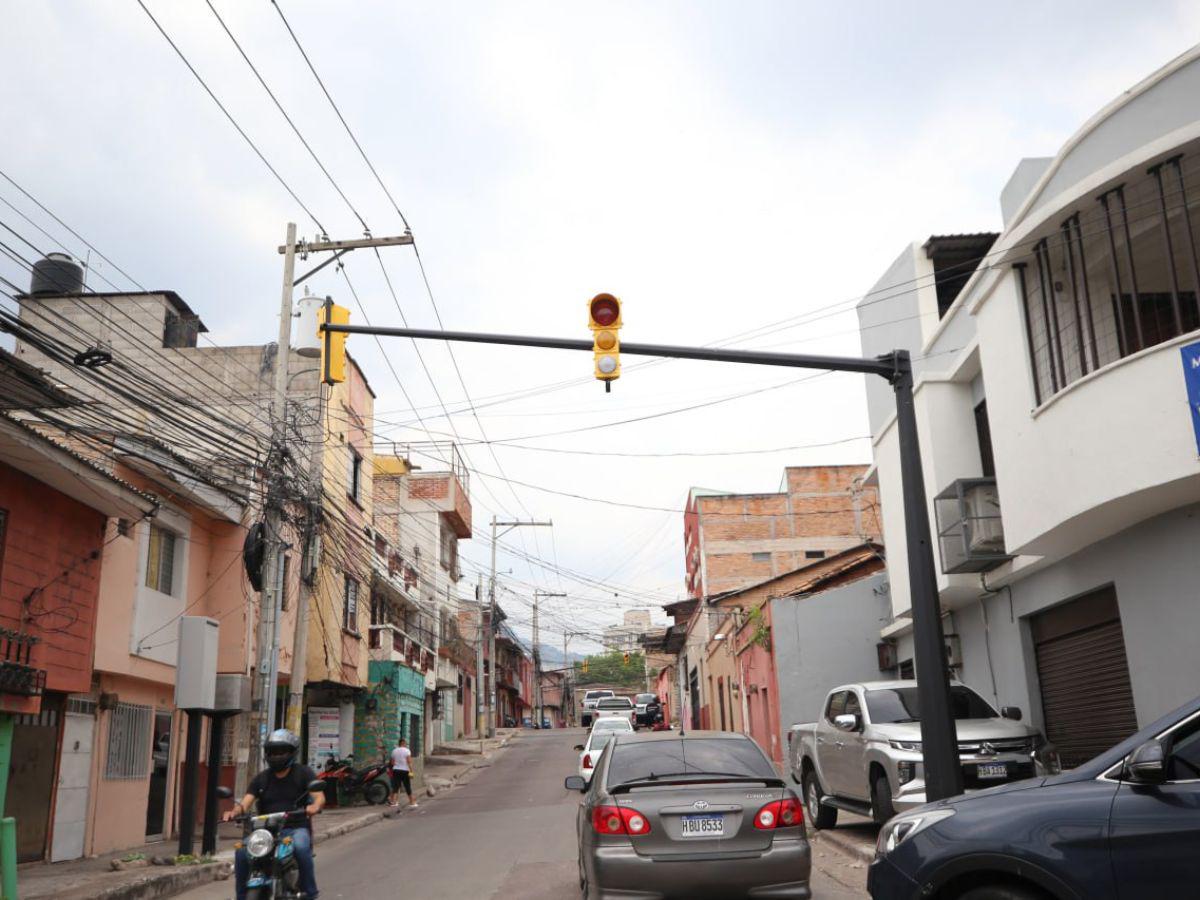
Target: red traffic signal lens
{"x": 605, "y": 309}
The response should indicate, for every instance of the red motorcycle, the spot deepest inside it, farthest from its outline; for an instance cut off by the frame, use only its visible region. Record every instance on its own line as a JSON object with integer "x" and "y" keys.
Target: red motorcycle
{"x": 372, "y": 782}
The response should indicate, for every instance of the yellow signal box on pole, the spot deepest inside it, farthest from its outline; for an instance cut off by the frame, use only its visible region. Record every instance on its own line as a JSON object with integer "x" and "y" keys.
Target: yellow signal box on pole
{"x": 604, "y": 319}
{"x": 333, "y": 344}
{"x": 626, "y": 659}
{"x": 585, "y": 662}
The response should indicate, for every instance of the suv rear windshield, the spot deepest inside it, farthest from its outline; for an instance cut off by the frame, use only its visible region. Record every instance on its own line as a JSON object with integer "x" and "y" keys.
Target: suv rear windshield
{"x": 727, "y": 756}
{"x": 891, "y": 705}
{"x": 615, "y": 703}
{"x": 646, "y": 698}
{"x": 592, "y": 695}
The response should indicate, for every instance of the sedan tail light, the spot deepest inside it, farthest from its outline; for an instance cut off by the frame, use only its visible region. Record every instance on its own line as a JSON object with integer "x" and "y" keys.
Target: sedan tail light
{"x": 587, "y": 760}
{"x": 785, "y": 813}
{"x": 619, "y": 820}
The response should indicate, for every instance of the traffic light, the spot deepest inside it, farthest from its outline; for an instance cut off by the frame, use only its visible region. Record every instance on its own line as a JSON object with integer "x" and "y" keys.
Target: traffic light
{"x": 333, "y": 344}
{"x": 604, "y": 318}
{"x": 585, "y": 662}
{"x": 625, "y": 661}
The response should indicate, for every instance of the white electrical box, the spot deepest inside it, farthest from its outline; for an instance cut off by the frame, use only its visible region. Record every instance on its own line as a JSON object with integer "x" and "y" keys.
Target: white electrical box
{"x": 196, "y": 663}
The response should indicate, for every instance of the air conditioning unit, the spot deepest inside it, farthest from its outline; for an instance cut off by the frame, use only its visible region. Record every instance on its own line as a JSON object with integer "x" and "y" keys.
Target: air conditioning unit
{"x": 969, "y": 525}
{"x": 953, "y": 651}
{"x": 888, "y": 657}
{"x": 981, "y": 503}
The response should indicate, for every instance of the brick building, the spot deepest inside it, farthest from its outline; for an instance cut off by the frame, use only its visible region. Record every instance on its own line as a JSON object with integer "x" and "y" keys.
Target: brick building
{"x": 732, "y": 541}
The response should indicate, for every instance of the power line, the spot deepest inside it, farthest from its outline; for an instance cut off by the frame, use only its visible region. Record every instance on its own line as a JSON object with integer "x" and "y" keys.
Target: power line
{"x": 229, "y": 116}
{"x": 288, "y": 118}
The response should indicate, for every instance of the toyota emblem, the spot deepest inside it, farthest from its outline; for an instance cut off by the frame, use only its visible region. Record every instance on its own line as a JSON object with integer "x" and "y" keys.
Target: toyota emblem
{"x": 701, "y": 804}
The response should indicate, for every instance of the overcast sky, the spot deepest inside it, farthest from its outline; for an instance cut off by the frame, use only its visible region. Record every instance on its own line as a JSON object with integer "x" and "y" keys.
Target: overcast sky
{"x": 719, "y": 166}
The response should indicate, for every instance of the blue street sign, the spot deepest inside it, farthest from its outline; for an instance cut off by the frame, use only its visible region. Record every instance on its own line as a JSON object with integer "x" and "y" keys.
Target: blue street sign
{"x": 1191, "y": 377}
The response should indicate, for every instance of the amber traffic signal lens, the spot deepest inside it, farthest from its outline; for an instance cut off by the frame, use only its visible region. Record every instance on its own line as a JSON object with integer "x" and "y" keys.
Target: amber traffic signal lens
{"x": 606, "y": 340}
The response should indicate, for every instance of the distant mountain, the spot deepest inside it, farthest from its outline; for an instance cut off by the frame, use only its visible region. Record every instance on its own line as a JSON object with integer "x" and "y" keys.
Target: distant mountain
{"x": 552, "y": 656}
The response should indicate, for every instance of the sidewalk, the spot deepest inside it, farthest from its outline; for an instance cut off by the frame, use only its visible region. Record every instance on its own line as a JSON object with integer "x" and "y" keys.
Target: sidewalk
{"x": 854, "y": 836}
{"x": 84, "y": 879}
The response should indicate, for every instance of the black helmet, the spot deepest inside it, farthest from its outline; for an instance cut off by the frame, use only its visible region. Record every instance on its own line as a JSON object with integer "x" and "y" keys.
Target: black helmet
{"x": 281, "y": 749}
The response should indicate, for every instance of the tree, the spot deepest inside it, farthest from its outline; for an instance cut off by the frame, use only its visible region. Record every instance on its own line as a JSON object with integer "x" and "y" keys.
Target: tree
{"x": 611, "y": 668}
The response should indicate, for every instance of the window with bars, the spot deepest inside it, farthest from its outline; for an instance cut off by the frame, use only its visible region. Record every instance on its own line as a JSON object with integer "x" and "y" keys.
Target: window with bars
{"x": 160, "y": 560}
{"x": 761, "y": 556}
{"x": 1118, "y": 275}
{"x": 350, "y": 606}
{"x": 355, "y": 479}
{"x": 128, "y": 742}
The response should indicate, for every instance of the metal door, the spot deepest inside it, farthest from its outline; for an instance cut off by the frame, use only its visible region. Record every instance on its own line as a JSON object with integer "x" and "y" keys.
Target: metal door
{"x": 1087, "y": 699}
{"x": 74, "y": 781}
{"x": 31, "y": 776}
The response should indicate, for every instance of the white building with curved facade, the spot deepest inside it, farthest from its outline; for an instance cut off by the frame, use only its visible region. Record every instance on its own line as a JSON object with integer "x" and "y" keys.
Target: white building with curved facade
{"x": 1059, "y": 447}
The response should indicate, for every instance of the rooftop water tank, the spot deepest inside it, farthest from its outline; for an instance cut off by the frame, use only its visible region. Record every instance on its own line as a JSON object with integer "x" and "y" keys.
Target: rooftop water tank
{"x": 55, "y": 275}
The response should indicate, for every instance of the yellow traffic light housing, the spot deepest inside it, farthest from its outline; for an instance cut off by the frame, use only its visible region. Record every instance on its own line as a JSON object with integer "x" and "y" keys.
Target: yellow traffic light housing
{"x": 585, "y": 662}
{"x": 333, "y": 344}
{"x": 626, "y": 660}
{"x": 604, "y": 319}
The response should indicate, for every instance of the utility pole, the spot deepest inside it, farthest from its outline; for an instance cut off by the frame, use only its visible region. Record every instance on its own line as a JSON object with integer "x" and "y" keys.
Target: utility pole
{"x": 538, "y": 708}
{"x": 315, "y": 473}
{"x": 507, "y": 526}
{"x": 939, "y": 743}
{"x": 267, "y": 648}
{"x": 568, "y": 684}
{"x": 480, "y": 705}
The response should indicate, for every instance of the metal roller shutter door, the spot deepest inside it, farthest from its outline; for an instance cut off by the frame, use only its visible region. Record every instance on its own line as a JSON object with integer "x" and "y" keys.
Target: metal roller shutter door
{"x": 1087, "y": 699}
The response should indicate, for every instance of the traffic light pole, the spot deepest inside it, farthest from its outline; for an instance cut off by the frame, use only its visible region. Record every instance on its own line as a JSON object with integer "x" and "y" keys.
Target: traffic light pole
{"x": 939, "y": 741}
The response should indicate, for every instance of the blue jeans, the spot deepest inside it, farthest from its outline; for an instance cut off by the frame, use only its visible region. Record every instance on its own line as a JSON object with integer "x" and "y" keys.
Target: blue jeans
{"x": 301, "y": 847}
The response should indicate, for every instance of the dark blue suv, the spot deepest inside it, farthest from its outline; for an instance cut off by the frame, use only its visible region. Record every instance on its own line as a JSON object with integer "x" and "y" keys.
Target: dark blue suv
{"x": 1125, "y": 825}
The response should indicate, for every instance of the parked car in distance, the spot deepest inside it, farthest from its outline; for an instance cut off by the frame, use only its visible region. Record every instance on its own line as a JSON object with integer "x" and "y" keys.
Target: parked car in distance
{"x": 647, "y": 709}
{"x": 864, "y": 754}
{"x": 590, "y": 699}
{"x": 701, "y": 815}
{"x": 616, "y": 706}
{"x": 1125, "y": 824}
{"x": 601, "y": 733}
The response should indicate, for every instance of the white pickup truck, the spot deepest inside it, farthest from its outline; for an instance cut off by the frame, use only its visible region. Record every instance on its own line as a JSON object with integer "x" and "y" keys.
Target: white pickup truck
{"x": 864, "y": 754}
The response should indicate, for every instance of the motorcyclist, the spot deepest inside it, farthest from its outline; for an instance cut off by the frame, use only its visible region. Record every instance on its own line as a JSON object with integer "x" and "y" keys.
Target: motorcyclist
{"x": 275, "y": 789}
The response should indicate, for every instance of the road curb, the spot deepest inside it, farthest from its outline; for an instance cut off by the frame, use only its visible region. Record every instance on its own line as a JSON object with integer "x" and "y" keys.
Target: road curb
{"x": 843, "y": 844}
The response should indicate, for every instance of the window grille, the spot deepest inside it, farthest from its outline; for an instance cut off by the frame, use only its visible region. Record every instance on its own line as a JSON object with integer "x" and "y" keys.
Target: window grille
{"x": 128, "y": 742}
{"x": 350, "y": 605}
{"x": 761, "y": 557}
{"x": 160, "y": 560}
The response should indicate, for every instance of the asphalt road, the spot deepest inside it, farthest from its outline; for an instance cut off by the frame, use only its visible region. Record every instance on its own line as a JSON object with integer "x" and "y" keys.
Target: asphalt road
{"x": 509, "y": 832}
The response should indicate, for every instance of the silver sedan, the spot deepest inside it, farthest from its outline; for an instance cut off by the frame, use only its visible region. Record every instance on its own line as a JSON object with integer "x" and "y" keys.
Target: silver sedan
{"x": 689, "y": 816}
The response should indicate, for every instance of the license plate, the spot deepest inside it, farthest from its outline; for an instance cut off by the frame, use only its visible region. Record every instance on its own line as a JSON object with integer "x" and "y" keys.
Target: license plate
{"x": 703, "y": 826}
{"x": 992, "y": 770}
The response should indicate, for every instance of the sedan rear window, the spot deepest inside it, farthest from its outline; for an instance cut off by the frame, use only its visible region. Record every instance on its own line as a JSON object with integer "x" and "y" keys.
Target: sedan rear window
{"x": 611, "y": 723}
{"x": 615, "y": 703}
{"x": 738, "y": 757}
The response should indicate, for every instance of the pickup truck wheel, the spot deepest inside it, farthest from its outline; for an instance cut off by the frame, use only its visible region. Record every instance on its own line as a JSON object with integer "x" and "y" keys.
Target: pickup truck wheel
{"x": 881, "y": 800}
{"x": 820, "y": 816}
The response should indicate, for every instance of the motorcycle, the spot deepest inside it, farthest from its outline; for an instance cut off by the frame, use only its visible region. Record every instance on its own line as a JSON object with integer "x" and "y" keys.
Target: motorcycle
{"x": 274, "y": 873}
{"x": 372, "y": 782}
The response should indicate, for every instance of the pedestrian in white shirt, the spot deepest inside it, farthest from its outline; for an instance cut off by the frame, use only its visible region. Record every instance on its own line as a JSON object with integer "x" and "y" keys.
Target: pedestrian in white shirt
{"x": 401, "y": 773}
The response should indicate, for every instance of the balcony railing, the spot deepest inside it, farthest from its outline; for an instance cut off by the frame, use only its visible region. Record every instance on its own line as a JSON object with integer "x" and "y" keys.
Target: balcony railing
{"x": 17, "y": 673}
{"x": 388, "y": 642}
{"x": 970, "y": 529}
